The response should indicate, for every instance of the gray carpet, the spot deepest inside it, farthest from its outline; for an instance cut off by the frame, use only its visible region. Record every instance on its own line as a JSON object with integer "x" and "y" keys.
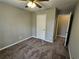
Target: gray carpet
{"x": 35, "y": 49}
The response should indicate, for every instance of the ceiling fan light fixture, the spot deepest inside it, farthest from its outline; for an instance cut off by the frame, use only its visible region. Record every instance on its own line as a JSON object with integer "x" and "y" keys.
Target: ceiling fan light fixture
{"x": 31, "y": 4}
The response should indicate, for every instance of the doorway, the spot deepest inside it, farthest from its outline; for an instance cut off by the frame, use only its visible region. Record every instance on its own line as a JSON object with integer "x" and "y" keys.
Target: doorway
{"x": 62, "y": 26}
{"x": 41, "y": 26}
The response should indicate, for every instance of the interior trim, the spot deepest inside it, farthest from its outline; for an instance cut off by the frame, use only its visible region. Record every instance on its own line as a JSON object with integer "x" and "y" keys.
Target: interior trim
{"x": 69, "y": 53}
{"x": 20, "y": 42}
{"x": 61, "y": 36}
{"x": 43, "y": 39}
{"x": 15, "y": 43}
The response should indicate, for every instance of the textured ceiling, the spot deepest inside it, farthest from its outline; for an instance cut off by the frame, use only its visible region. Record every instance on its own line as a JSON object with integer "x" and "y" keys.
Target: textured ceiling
{"x": 60, "y": 4}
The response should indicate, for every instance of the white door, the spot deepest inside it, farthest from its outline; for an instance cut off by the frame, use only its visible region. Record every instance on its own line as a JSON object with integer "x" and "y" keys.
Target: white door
{"x": 41, "y": 26}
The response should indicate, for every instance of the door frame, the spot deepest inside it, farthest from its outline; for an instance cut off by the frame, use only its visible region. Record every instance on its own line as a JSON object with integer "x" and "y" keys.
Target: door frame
{"x": 69, "y": 28}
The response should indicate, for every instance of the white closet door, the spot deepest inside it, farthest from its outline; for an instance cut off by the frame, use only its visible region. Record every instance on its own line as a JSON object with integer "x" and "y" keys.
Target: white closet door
{"x": 41, "y": 26}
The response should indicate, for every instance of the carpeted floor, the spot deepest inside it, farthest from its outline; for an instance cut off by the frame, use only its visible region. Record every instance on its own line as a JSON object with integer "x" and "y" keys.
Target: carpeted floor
{"x": 35, "y": 49}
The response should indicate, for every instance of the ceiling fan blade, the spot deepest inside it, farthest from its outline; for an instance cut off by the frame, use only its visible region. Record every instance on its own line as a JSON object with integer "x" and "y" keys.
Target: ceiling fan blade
{"x": 38, "y": 5}
{"x": 26, "y": 6}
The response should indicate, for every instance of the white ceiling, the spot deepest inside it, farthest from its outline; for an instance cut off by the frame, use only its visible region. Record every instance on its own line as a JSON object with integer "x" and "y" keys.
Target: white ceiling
{"x": 60, "y": 4}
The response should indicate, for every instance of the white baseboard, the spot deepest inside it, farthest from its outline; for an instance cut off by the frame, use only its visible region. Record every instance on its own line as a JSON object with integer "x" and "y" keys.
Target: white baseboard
{"x": 19, "y": 42}
{"x": 44, "y": 40}
{"x": 26, "y": 39}
{"x": 14, "y": 43}
{"x": 69, "y": 53}
{"x": 61, "y": 36}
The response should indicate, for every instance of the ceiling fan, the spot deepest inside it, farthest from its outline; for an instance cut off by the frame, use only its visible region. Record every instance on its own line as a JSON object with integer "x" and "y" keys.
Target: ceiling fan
{"x": 33, "y": 3}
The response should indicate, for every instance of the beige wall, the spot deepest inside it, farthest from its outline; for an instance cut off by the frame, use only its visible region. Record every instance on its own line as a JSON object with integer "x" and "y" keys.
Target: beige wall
{"x": 15, "y": 24}
{"x": 33, "y": 24}
{"x": 74, "y": 37}
{"x": 50, "y": 21}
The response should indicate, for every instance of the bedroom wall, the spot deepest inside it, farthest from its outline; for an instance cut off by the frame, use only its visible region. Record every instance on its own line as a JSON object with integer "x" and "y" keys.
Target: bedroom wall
{"x": 50, "y": 22}
{"x": 33, "y": 24}
{"x": 15, "y": 24}
{"x": 74, "y": 37}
